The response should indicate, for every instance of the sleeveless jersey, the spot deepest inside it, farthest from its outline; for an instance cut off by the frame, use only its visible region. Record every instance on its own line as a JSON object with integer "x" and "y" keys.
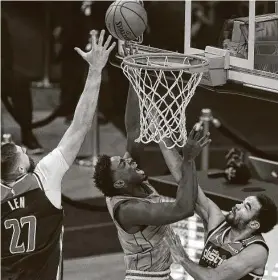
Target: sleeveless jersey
{"x": 144, "y": 250}
{"x": 31, "y": 233}
{"x": 216, "y": 252}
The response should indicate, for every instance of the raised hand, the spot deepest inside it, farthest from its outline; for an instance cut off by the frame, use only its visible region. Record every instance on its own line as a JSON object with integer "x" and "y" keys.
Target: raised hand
{"x": 195, "y": 142}
{"x": 129, "y": 49}
{"x": 97, "y": 57}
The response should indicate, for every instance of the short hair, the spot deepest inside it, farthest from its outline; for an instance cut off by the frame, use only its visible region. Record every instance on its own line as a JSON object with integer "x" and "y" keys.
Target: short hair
{"x": 9, "y": 158}
{"x": 267, "y": 215}
{"x": 103, "y": 176}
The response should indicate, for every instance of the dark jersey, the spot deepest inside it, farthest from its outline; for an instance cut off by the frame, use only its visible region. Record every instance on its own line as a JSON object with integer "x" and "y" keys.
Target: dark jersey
{"x": 31, "y": 233}
{"x": 216, "y": 252}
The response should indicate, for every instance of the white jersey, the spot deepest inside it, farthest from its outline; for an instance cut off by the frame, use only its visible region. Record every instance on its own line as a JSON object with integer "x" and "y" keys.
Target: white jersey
{"x": 147, "y": 255}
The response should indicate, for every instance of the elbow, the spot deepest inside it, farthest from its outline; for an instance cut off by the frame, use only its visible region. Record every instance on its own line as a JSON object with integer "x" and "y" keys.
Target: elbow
{"x": 189, "y": 212}
{"x": 186, "y": 210}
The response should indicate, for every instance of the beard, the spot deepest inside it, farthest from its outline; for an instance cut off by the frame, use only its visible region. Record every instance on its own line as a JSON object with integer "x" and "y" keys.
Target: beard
{"x": 235, "y": 222}
{"x": 32, "y": 165}
{"x": 231, "y": 219}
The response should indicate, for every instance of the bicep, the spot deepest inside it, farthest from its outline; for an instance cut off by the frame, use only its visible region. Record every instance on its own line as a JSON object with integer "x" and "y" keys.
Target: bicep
{"x": 251, "y": 258}
{"x": 209, "y": 212}
{"x": 145, "y": 213}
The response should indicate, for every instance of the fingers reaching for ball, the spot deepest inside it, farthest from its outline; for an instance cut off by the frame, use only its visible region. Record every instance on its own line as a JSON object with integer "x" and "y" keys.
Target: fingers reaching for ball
{"x": 93, "y": 34}
{"x": 107, "y": 43}
{"x": 101, "y": 36}
{"x": 80, "y": 52}
{"x": 129, "y": 48}
{"x": 99, "y": 41}
{"x": 98, "y": 55}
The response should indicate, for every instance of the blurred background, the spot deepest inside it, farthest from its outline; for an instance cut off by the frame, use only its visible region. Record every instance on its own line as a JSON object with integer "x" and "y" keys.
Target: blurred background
{"x": 42, "y": 78}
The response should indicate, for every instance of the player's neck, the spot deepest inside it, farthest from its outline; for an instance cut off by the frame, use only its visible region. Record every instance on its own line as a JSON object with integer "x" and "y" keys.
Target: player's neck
{"x": 8, "y": 183}
{"x": 236, "y": 234}
{"x": 11, "y": 182}
{"x": 139, "y": 191}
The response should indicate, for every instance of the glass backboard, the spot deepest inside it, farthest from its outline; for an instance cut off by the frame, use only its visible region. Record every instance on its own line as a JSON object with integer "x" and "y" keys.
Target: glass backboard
{"x": 247, "y": 29}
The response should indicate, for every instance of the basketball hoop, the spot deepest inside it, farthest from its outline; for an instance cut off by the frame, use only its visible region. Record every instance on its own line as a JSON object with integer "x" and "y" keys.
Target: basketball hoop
{"x": 165, "y": 84}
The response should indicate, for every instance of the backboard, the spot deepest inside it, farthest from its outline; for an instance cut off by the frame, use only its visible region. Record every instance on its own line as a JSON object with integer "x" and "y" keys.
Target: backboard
{"x": 248, "y": 30}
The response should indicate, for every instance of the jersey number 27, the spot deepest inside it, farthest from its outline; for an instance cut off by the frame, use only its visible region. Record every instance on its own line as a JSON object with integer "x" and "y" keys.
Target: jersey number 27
{"x": 17, "y": 225}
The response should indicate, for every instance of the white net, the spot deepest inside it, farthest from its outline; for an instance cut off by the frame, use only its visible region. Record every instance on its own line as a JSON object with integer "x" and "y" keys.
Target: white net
{"x": 163, "y": 93}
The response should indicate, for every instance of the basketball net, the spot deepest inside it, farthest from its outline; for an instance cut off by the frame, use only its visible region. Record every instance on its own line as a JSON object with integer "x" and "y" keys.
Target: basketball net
{"x": 163, "y": 95}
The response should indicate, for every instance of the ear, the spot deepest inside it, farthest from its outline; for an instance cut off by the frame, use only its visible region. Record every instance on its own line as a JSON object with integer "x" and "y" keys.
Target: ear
{"x": 254, "y": 224}
{"x": 127, "y": 155}
{"x": 21, "y": 170}
{"x": 119, "y": 184}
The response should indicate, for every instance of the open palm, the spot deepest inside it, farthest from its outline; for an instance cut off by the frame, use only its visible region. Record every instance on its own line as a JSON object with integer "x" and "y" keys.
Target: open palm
{"x": 97, "y": 57}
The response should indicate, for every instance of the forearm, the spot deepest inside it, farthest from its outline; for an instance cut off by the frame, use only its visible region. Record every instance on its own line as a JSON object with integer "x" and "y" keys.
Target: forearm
{"x": 85, "y": 109}
{"x": 173, "y": 159}
{"x": 132, "y": 125}
{"x": 83, "y": 117}
{"x": 195, "y": 189}
{"x": 187, "y": 188}
{"x": 198, "y": 272}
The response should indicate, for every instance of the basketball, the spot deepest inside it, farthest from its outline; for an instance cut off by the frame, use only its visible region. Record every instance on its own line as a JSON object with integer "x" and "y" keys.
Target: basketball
{"x": 126, "y": 19}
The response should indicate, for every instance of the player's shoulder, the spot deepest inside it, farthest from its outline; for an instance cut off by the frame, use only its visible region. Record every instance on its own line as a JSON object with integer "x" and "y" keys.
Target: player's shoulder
{"x": 133, "y": 207}
{"x": 258, "y": 243}
{"x": 115, "y": 203}
{"x": 53, "y": 160}
{"x": 258, "y": 253}
{"x": 111, "y": 200}
{"x": 24, "y": 185}
{"x": 28, "y": 182}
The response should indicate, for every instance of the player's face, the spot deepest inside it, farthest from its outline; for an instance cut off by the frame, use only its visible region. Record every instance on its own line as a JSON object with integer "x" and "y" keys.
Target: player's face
{"x": 241, "y": 214}
{"x": 125, "y": 168}
{"x": 25, "y": 162}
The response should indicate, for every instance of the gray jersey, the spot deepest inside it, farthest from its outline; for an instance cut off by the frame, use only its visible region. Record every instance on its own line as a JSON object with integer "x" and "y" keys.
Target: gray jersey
{"x": 145, "y": 250}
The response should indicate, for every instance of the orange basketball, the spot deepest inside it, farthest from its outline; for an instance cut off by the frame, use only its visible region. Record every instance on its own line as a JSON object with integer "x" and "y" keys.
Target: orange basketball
{"x": 126, "y": 19}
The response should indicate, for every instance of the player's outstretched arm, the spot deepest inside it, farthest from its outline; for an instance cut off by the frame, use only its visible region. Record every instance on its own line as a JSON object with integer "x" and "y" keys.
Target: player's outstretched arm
{"x": 136, "y": 213}
{"x": 132, "y": 125}
{"x": 195, "y": 143}
{"x": 252, "y": 258}
{"x": 132, "y": 117}
{"x": 205, "y": 208}
{"x": 209, "y": 212}
{"x": 97, "y": 58}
